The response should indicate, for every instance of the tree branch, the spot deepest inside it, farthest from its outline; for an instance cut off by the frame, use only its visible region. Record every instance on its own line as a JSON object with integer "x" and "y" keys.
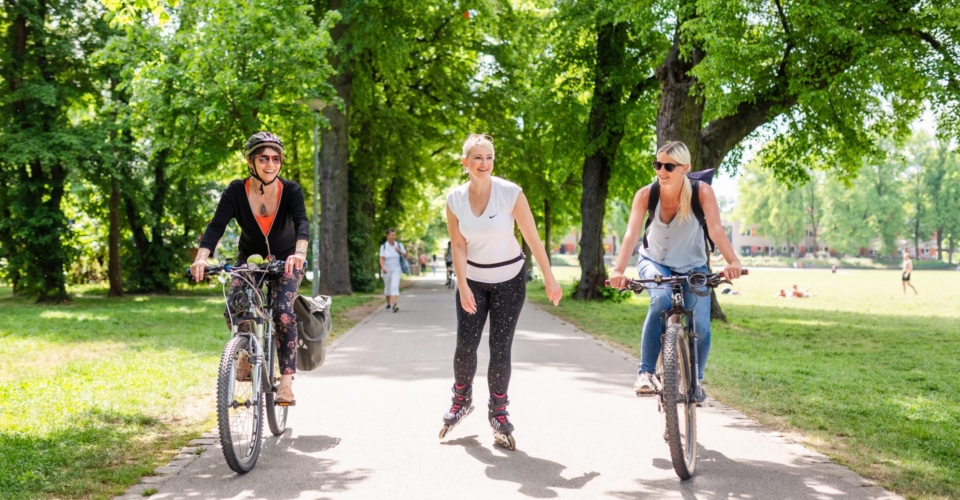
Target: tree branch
{"x": 782, "y": 70}
{"x": 939, "y": 48}
{"x": 723, "y": 134}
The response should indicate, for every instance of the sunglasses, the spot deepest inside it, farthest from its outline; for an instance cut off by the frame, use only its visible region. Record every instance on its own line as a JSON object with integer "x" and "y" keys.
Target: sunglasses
{"x": 264, "y": 159}
{"x": 669, "y": 166}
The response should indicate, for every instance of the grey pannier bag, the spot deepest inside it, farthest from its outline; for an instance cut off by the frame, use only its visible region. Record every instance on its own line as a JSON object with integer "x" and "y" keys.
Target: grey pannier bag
{"x": 313, "y": 326}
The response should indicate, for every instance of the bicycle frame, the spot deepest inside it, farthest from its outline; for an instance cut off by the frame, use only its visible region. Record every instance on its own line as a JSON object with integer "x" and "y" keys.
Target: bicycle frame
{"x": 677, "y": 313}
{"x": 261, "y": 319}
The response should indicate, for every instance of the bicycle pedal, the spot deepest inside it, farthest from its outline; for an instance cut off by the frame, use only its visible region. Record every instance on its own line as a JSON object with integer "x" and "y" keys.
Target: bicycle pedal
{"x": 292, "y": 403}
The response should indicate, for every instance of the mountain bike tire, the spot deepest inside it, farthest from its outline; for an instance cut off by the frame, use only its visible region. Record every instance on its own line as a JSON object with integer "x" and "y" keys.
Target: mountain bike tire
{"x": 239, "y": 417}
{"x": 679, "y": 408}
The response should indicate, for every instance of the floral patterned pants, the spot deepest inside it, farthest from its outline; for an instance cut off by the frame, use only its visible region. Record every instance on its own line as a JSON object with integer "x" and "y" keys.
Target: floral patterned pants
{"x": 283, "y": 291}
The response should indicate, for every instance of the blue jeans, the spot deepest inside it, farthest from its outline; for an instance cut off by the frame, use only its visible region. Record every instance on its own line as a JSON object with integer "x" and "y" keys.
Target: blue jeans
{"x": 659, "y": 302}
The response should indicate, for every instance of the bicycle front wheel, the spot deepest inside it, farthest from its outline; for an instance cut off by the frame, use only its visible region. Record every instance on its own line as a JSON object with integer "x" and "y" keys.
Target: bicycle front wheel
{"x": 276, "y": 415}
{"x": 679, "y": 408}
{"x": 239, "y": 408}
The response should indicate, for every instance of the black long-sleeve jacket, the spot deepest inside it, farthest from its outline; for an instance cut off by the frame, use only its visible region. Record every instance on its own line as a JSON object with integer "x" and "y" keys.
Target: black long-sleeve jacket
{"x": 289, "y": 225}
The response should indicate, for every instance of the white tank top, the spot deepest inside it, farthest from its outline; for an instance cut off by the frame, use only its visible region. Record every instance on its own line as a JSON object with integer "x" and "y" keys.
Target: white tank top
{"x": 677, "y": 245}
{"x": 490, "y": 237}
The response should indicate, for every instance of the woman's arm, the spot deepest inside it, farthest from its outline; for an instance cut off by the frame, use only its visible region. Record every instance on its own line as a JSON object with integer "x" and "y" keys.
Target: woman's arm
{"x": 528, "y": 228}
{"x": 459, "y": 245}
{"x": 711, "y": 212}
{"x": 634, "y": 229}
{"x": 298, "y": 213}
{"x": 213, "y": 232}
{"x": 383, "y": 265}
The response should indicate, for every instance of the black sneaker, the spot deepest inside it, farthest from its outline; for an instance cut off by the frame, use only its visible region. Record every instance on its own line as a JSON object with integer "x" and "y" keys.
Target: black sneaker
{"x": 396, "y": 308}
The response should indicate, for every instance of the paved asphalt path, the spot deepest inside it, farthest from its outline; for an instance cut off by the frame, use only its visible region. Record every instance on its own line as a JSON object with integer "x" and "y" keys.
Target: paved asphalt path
{"x": 366, "y": 426}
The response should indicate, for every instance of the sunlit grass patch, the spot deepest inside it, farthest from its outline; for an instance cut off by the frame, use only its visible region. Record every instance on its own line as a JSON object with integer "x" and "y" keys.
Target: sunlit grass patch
{"x": 97, "y": 392}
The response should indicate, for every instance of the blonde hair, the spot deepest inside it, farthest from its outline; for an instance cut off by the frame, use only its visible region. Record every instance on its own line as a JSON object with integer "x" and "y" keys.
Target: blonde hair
{"x": 679, "y": 153}
{"x": 477, "y": 140}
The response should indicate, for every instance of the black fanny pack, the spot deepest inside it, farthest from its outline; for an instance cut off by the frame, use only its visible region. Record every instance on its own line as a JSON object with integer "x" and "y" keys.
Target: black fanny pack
{"x": 498, "y": 264}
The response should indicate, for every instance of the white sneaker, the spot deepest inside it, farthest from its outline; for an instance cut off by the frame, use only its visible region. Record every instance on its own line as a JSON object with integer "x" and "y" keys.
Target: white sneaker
{"x": 645, "y": 385}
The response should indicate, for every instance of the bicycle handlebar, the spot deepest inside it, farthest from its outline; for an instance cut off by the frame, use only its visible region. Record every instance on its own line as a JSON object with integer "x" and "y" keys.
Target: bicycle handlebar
{"x": 696, "y": 279}
{"x": 272, "y": 267}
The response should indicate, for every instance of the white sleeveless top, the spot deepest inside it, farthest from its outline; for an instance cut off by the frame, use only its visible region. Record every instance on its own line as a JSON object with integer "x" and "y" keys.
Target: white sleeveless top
{"x": 490, "y": 238}
{"x": 678, "y": 245}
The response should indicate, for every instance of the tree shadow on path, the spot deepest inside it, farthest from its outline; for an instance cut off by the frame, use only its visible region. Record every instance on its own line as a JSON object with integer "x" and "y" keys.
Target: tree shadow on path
{"x": 313, "y": 477}
{"x": 720, "y": 477}
{"x": 535, "y": 476}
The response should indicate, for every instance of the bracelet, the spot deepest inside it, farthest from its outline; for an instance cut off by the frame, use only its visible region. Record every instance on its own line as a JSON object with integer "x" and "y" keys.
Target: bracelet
{"x": 303, "y": 252}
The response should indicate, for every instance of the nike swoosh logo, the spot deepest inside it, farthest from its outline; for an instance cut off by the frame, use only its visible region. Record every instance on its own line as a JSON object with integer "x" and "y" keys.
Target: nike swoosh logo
{"x": 494, "y": 215}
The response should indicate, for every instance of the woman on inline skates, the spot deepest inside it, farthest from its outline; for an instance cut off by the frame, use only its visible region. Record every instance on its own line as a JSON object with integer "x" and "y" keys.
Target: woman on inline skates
{"x": 273, "y": 222}
{"x": 489, "y": 266}
{"x": 674, "y": 246}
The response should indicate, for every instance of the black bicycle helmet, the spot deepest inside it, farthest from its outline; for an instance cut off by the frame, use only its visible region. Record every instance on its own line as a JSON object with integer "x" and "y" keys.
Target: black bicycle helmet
{"x": 257, "y": 141}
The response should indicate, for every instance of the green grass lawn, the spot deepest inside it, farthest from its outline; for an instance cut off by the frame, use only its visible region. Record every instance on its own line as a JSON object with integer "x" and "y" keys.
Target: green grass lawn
{"x": 98, "y": 392}
{"x": 861, "y": 372}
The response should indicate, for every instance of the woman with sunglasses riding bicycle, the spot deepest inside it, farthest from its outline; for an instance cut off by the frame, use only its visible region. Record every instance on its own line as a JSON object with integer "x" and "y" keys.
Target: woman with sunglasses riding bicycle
{"x": 273, "y": 222}
{"x": 675, "y": 245}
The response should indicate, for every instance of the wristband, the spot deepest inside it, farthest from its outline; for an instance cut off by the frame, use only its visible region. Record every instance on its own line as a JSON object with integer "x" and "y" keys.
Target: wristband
{"x": 302, "y": 252}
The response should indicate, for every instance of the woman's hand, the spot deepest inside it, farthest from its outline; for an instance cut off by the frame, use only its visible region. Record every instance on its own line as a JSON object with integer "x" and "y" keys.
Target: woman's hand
{"x": 732, "y": 271}
{"x": 618, "y": 280}
{"x": 554, "y": 292}
{"x": 294, "y": 260}
{"x": 197, "y": 268}
{"x": 467, "y": 301}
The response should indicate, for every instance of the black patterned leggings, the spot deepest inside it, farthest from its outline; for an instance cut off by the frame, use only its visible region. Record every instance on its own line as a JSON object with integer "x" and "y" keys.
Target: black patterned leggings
{"x": 503, "y": 301}
{"x": 284, "y": 291}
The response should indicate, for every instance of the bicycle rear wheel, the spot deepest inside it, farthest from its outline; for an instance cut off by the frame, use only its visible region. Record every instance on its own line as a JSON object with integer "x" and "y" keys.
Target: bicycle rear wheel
{"x": 679, "y": 408}
{"x": 276, "y": 415}
{"x": 239, "y": 411}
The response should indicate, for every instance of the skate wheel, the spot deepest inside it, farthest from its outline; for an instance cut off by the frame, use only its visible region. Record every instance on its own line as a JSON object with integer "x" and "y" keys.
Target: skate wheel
{"x": 506, "y": 440}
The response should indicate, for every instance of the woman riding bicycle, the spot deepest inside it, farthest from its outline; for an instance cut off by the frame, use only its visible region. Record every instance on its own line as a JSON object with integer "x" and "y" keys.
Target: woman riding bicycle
{"x": 273, "y": 222}
{"x": 674, "y": 246}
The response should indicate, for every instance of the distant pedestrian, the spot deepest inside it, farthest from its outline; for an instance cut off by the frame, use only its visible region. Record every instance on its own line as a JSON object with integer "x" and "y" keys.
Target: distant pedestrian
{"x": 423, "y": 264}
{"x": 907, "y": 270}
{"x": 489, "y": 265}
{"x": 390, "y": 269}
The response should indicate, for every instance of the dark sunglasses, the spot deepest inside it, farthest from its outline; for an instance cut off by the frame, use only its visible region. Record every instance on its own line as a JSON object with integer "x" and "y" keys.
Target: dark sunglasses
{"x": 669, "y": 166}
{"x": 264, "y": 159}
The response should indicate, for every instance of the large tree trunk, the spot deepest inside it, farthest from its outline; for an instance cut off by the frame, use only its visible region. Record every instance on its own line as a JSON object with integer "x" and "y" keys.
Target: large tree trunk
{"x": 335, "y": 181}
{"x": 52, "y": 259}
{"x": 113, "y": 267}
{"x": 605, "y": 129}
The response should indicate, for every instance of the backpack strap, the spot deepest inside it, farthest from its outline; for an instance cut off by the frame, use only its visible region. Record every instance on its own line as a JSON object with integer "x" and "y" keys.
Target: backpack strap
{"x": 698, "y": 213}
{"x": 652, "y": 201}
